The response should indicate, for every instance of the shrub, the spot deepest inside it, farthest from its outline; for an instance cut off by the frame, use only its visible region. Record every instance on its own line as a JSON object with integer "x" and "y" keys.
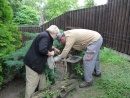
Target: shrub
{"x": 9, "y": 35}
{"x": 26, "y": 16}
{"x": 14, "y": 61}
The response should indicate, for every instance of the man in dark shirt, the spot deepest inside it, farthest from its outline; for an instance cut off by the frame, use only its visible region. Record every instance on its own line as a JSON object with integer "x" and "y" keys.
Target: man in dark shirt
{"x": 36, "y": 57}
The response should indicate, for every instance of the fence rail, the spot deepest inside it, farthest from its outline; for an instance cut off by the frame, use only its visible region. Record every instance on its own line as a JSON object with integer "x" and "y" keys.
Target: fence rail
{"x": 112, "y": 21}
{"x": 32, "y": 29}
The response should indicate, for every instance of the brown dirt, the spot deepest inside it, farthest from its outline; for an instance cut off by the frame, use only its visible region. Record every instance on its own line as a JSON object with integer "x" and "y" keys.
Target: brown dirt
{"x": 14, "y": 89}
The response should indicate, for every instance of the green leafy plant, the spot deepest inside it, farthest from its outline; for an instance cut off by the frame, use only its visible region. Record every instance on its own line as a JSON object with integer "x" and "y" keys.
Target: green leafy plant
{"x": 14, "y": 61}
{"x": 10, "y": 37}
{"x": 52, "y": 8}
{"x": 50, "y": 75}
{"x": 26, "y": 16}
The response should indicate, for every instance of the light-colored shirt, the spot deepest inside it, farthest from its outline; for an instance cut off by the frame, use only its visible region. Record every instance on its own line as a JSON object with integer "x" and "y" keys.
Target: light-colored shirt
{"x": 78, "y": 39}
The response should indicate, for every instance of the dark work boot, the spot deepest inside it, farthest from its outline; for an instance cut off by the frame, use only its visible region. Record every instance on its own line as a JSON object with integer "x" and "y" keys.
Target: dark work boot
{"x": 97, "y": 75}
{"x": 85, "y": 84}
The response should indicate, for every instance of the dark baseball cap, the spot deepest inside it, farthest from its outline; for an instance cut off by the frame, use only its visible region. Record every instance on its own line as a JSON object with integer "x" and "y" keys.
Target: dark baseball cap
{"x": 59, "y": 36}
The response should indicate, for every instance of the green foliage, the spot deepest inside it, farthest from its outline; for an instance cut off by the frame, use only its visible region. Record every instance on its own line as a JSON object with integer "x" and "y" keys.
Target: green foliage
{"x": 9, "y": 35}
{"x": 50, "y": 76}
{"x": 49, "y": 81}
{"x": 115, "y": 81}
{"x": 36, "y": 5}
{"x": 30, "y": 35}
{"x": 1, "y": 77}
{"x": 26, "y": 16}
{"x": 15, "y": 4}
{"x": 89, "y": 3}
{"x": 5, "y": 12}
{"x": 79, "y": 69}
{"x": 6, "y": 41}
{"x": 15, "y": 59}
{"x": 79, "y": 66}
{"x": 110, "y": 58}
{"x": 52, "y": 7}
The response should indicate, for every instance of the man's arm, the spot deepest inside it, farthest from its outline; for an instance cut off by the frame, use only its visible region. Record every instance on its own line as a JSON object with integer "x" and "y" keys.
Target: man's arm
{"x": 43, "y": 47}
{"x": 55, "y": 49}
{"x": 69, "y": 44}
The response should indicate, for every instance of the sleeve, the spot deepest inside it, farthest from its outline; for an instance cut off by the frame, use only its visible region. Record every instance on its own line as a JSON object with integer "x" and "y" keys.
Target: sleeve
{"x": 69, "y": 44}
{"x": 43, "y": 44}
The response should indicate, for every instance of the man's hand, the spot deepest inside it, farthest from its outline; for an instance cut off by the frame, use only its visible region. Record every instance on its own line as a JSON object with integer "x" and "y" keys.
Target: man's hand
{"x": 57, "y": 58}
{"x": 55, "y": 49}
{"x": 51, "y": 53}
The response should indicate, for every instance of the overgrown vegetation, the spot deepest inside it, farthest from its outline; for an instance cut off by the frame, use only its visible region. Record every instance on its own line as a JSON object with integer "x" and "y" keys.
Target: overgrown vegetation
{"x": 14, "y": 61}
{"x": 9, "y": 35}
{"x": 26, "y": 12}
{"x": 115, "y": 81}
{"x": 26, "y": 16}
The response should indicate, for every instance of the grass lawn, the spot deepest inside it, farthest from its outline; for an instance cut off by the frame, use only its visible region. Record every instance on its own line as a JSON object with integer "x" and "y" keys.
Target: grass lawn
{"x": 114, "y": 82}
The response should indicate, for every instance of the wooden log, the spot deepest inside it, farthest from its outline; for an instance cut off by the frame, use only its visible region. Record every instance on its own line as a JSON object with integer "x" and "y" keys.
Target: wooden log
{"x": 61, "y": 88}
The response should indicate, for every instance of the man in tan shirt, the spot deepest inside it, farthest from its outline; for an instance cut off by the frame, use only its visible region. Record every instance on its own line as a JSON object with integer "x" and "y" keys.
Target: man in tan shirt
{"x": 87, "y": 40}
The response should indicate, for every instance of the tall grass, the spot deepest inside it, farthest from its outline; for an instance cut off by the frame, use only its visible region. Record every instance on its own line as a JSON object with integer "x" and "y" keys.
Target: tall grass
{"x": 110, "y": 58}
{"x": 115, "y": 80}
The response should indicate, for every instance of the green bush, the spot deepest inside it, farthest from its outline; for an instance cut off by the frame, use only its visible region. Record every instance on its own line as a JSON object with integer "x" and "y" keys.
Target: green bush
{"x": 15, "y": 59}
{"x": 9, "y": 35}
{"x": 5, "y": 12}
{"x": 26, "y": 16}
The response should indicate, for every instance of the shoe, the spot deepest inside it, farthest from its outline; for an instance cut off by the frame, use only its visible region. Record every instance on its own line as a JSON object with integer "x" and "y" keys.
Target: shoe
{"x": 99, "y": 75}
{"x": 85, "y": 84}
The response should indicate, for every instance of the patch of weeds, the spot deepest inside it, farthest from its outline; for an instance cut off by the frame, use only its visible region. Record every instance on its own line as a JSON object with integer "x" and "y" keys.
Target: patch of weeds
{"x": 48, "y": 94}
{"x": 115, "y": 80}
{"x": 49, "y": 81}
{"x": 110, "y": 58}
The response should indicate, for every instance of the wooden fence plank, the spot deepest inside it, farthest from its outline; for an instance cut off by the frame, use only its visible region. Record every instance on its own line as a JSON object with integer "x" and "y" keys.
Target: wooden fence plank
{"x": 108, "y": 25}
{"x": 120, "y": 24}
{"x": 124, "y": 18}
{"x": 127, "y": 30}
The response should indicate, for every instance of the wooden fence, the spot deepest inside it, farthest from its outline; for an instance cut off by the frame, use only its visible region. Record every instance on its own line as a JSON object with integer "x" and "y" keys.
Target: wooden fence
{"x": 32, "y": 29}
{"x": 112, "y": 21}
